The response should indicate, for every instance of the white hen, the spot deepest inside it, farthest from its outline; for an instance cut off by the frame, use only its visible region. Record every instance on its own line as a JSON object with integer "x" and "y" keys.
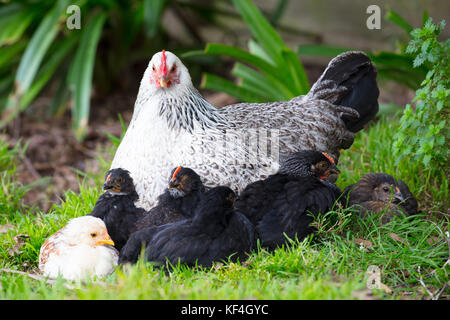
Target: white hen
{"x": 174, "y": 125}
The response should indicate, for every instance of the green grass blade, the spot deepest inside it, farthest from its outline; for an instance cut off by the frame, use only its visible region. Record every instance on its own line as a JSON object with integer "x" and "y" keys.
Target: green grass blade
{"x": 80, "y": 73}
{"x": 261, "y": 29}
{"x": 216, "y": 83}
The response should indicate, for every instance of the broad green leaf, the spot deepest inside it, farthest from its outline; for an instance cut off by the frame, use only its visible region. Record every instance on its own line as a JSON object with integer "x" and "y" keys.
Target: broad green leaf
{"x": 320, "y": 50}
{"x": 395, "y": 18}
{"x": 13, "y": 26}
{"x": 38, "y": 46}
{"x": 258, "y": 83}
{"x": 61, "y": 50}
{"x": 239, "y": 54}
{"x": 152, "y": 15}
{"x": 81, "y": 70}
{"x": 261, "y": 29}
{"x": 256, "y": 49}
{"x": 7, "y": 53}
{"x": 212, "y": 82}
{"x": 296, "y": 71}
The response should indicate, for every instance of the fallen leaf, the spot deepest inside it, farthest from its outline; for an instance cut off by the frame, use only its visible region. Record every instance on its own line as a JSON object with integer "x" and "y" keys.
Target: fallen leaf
{"x": 4, "y": 228}
{"x": 365, "y": 243}
{"x": 433, "y": 240}
{"x": 20, "y": 240}
{"x": 399, "y": 239}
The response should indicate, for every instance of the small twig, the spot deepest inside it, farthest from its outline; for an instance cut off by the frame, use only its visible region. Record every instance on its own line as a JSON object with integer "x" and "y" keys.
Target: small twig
{"x": 423, "y": 284}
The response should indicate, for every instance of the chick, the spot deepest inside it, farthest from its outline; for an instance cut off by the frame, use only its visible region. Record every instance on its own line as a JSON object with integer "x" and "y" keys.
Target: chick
{"x": 81, "y": 249}
{"x": 380, "y": 192}
{"x": 216, "y": 232}
{"x": 178, "y": 202}
{"x": 281, "y": 205}
{"x": 116, "y": 206}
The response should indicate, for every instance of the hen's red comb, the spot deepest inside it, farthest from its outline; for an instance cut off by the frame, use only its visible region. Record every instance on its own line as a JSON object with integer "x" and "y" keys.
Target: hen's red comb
{"x": 175, "y": 173}
{"x": 163, "y": 63}
{"x": 328, "y": 157}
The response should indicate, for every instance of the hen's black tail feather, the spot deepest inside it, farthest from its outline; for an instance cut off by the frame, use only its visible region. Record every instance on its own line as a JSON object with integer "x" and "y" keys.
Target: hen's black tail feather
{"x": 350, "y": 81}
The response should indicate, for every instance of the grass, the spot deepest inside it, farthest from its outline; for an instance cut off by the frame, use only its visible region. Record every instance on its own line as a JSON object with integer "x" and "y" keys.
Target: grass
{"x": 331, "y": 265}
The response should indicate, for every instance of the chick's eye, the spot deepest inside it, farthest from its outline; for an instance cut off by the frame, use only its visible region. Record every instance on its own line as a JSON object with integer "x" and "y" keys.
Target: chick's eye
{"x": 385, "y": 189}
{"x": 93, "y": 235}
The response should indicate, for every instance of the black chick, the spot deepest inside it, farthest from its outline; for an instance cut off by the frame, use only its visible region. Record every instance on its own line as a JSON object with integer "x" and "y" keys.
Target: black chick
{"x": 281, "y": 203}
{"x": 380, "y": 192}
{"x": 116, "y": 206}
{"x": 215, "y": 232}
{"x": 178, "y": 202}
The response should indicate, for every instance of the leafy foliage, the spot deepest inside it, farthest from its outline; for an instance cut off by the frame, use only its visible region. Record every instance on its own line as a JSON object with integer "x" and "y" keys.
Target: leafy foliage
{"x": 37, "y": 49}
{"x": 423, "y": 132}
{"x": 276, "y": 73}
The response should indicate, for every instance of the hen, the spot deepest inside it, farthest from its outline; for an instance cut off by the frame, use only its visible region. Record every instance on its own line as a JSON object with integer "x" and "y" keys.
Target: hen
{"x": 235, "y": 145}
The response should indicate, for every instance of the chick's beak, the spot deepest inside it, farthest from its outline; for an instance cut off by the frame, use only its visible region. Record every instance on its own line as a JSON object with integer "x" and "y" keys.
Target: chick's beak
{"x": 333, "y": 169}
{"x": 398, "y": 196}
{"x": 106, "y": 240}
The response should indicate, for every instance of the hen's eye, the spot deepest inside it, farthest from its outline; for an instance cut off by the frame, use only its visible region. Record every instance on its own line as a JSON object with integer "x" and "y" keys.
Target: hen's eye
{"x": 154, "y": 69}
{"x": 93, "y": 235}
{"x": 173, "y": 69}
{"x": 385, "y": 189}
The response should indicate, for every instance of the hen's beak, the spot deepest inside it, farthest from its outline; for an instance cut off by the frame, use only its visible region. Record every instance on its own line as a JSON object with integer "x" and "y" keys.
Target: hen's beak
{"x": 162, "y": 81}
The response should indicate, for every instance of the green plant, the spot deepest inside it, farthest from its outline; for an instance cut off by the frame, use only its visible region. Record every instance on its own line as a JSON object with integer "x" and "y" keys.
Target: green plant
{"x": 423, "y": 132}
{"x": 36, "y": 48}
{"x": 277, "y": 73}
{"x": 396, "y": 66}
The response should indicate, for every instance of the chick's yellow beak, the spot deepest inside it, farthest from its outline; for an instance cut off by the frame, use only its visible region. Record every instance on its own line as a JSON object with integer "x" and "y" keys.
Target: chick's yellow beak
{"x": 107, "y": 240}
